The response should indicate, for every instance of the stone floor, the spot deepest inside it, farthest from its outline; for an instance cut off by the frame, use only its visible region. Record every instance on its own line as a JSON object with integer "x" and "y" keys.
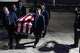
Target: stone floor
{"x": 61, "y": 38}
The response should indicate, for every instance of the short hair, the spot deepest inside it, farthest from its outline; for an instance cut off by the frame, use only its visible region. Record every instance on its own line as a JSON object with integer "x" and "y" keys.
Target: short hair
{"x": 39, "y": 7}
{"x": 19, "y": 1}
{"x": 30, "y": 10}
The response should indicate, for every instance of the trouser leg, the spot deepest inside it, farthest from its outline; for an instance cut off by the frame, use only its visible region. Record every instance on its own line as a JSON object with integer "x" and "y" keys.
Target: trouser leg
{"x": 17, "y": 39}
{"x": 11, "y": 34}
{"x": 76, "y": 40}
{"x": 10, "y": 44}
{"x": 37, "y": 38}
{"x": 76, "y": 37}
{"x": 45, "y": 32}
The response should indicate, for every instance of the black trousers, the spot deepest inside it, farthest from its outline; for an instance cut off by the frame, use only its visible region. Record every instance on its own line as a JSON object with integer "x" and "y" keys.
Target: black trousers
{"x": 76, "y": 37}
{"x": 45, "y": 31}
{"x": 10, "y": 43}
{"x": 37, "y": 36}
{"x": 11, "y": 35}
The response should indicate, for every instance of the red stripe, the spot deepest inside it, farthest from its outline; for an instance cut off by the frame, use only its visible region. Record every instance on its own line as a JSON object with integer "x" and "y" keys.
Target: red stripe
{"x": 23, "y": 22}
{"x": 22, "y": 18}
{"x": 28, "y": 18}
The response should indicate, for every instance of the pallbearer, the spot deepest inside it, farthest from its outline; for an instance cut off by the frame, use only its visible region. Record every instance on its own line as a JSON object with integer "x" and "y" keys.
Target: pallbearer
{"x": 46, "y": 17}
{"x": 9, "y": 21}
{"x": 39, "y": 26}
{"x": 76, "y": 28}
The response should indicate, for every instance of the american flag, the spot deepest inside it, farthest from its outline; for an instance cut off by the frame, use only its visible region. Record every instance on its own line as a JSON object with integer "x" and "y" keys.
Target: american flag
{"x": 24, "y": 23}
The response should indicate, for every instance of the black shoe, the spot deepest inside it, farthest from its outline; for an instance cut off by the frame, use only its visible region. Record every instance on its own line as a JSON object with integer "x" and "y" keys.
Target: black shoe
{"x": 34, "y": 46}
{"x": 43, "y": 35}
{"x": 19, "y": 47}
{"x": 10, "y": 48}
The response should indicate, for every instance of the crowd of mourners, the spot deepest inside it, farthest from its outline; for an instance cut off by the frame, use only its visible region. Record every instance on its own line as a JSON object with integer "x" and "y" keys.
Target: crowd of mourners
{"x": 19, "y": 23}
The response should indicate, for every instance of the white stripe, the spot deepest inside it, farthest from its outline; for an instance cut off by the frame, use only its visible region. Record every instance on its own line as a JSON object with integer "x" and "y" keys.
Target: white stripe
{"x": 21, "y": 19}
{"x": 19, "y": 27}
{"x": 29, "y": 17}
{"x": 30, "y": 25}
{"x": 24, "y": 27}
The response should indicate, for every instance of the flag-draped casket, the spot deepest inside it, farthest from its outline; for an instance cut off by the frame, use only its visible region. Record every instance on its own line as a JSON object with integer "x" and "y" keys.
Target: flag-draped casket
{"x": 24, "y": 23}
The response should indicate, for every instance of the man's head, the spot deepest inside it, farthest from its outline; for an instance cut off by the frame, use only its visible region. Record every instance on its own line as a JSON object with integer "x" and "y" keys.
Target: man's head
{"x": 6, "y": 10}
{"x": 43, "y": 7}
{"x": 14, "y": 7}
{"x": 20, "y": 3}
{"x": 30, "y": 10}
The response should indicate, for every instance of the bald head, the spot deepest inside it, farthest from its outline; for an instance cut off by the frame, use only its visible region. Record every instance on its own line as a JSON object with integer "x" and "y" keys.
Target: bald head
{"x": 6, "y": 10}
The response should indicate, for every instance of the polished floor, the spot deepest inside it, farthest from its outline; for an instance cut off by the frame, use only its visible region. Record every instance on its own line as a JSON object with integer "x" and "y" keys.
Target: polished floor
{"x": 62, "y": 40}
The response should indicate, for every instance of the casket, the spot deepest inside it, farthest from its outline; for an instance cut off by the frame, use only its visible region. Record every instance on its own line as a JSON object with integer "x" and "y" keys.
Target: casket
{"x": 24, "y": 23}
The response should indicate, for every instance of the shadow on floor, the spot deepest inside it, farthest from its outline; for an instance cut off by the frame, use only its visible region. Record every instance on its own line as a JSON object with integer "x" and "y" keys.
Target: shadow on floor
{"x": 21, "y": 46}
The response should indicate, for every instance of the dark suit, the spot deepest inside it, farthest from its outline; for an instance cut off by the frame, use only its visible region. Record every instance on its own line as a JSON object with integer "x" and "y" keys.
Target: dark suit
{"x": 46, "y": 17}
{"x": 9, "y": 22}
{"x": 76, "y": 26}
{"x": 39, "y": 26}
{"x": 21, "y": 11}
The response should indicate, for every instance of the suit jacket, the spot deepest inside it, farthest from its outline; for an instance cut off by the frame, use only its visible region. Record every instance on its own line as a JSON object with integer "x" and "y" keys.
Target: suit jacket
{"x": 46, "y": 17}
{"x": 40, "y": 23}
{"x": 10, "y": 19}
{"x": 21, "y": 11}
